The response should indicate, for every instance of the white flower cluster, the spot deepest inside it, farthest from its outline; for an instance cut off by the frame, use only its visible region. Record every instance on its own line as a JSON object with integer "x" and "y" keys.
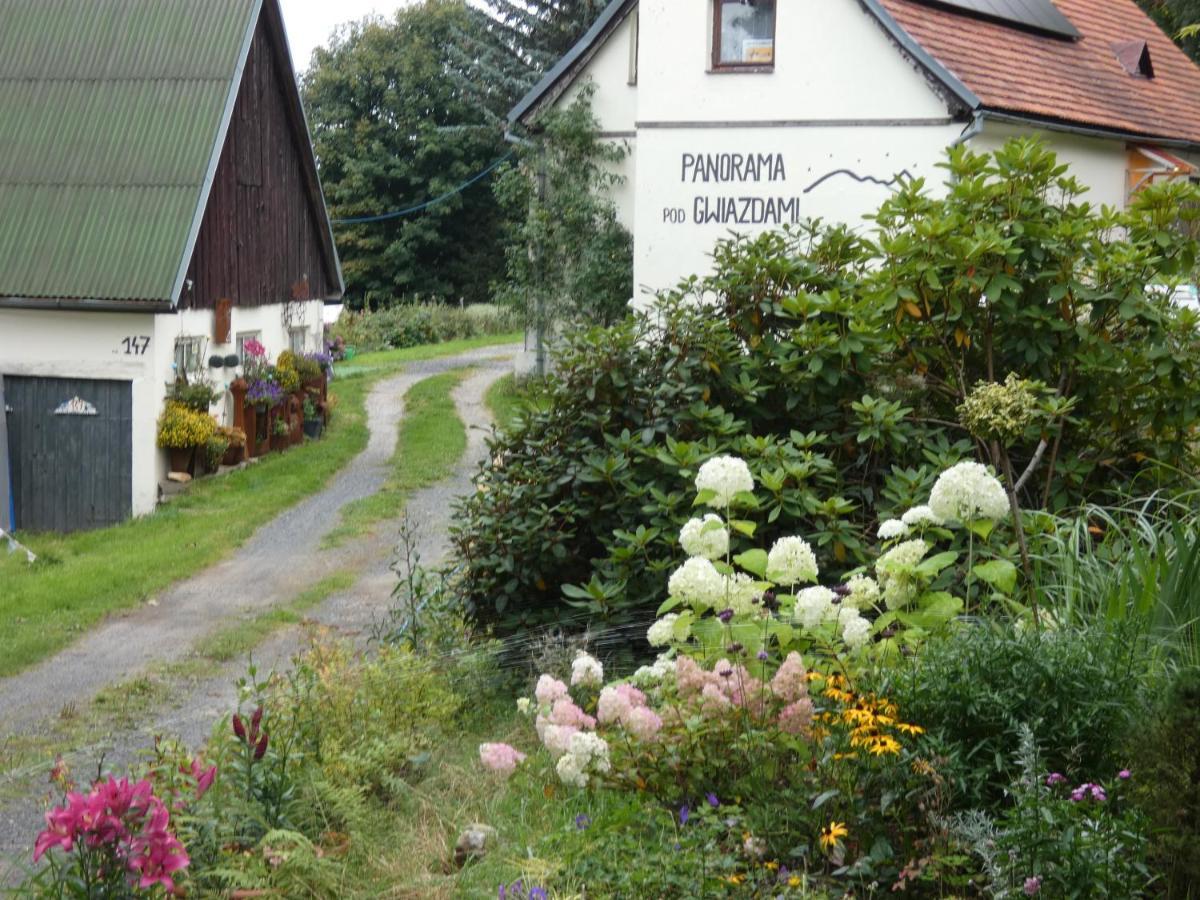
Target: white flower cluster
{"x": 662, "y": 632}
{"x": 791, "y": 561}
{"x": 587, "y": 753}
{"x": 524, "y": 705}
{"x": 864, "y": 592}
{"x": 895, "y": 570}
{"x": 705, "y": 537}
{"x": 921, "y": 517}
{"x": 966, "y": 492}
{"x": 698, "y": 582}
{"x": 586, "y": 670}
{"x": 816, "y": 605}
{"x": 892, "y": 529}
{"x": 724, "y": 476}
{"x": 649, "y": 676}
{"x": 742, "y": 594}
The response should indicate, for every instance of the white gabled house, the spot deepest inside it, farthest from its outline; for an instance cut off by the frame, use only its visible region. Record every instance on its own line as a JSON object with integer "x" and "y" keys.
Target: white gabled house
{"x": 159, "y": 205}
{"x": 742, "y": 115}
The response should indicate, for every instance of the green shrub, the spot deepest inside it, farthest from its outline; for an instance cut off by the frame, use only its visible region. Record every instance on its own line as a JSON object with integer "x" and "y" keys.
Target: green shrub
{"x": 412, "y": 324}
{"x": 1078, "y": 690}
{"x": 836, "y": 367}
{"x": 1166, "y": 783}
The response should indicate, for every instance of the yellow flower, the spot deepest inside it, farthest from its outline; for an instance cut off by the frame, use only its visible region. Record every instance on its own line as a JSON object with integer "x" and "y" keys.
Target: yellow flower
{"x": 838, "y": 756}
{"x": 910, "y": 729}
{"x": 884, "y": 744}
{"x": 832, "y": 834}
{"x": 771, "y": 865}
{"x": 736, "y": 879}
{"x": 794, "y": 881}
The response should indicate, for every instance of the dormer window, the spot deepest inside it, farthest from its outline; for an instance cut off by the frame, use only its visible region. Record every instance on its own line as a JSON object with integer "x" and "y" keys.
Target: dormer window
{"x": 743, "y": 34}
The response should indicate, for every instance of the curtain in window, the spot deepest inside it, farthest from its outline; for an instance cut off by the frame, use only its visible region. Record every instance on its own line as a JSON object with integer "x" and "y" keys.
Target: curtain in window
{"x": 747, "y": 31}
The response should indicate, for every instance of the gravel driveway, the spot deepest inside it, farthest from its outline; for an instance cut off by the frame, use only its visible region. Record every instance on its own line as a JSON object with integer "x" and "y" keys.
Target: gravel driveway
{"x": 277, "y": 563}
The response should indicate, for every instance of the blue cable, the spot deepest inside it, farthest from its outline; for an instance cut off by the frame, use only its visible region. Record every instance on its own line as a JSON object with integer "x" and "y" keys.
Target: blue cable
{"x": 412, "y": 209}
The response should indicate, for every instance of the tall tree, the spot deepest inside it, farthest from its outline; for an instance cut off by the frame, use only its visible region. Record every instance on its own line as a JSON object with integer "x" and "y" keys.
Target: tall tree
{"x": 394, "y": 126}
{"x": 1174, "y": 17}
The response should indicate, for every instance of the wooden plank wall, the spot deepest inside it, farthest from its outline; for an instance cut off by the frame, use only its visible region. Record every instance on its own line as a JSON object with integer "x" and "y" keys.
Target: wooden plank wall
{"x": 260, "y": 235}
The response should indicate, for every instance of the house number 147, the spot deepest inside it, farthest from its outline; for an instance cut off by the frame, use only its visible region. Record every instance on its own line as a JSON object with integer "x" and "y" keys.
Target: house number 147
{"x": 136, "y": 345}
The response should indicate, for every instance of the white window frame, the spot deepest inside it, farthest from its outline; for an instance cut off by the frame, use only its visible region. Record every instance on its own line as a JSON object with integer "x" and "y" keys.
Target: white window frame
{"x": 301, "y": 332}
{"x": 189, "y": 355}
{"x": 240, "y": 341}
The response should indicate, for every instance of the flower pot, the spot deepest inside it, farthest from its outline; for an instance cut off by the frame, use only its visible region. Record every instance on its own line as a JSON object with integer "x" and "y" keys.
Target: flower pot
{"x": 181, "y": 459}
{"x": 233, "y": 456}
{"x": 313, "y": 428}
{"x": 279, "y": 443}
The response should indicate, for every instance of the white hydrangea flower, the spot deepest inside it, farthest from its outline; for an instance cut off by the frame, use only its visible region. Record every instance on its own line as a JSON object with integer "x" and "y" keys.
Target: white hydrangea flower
{"x": 707, "y": 537}
{"x": 864, "y": 592}
{"x": 892, "y": 529}
{"x": 791, "y": 561}
{"x": 523, "y": 705}
{"x": 895, "y": 572}
{"x": 724, "y": 476}
{"x": 855, "y": 631}
{"x": 648, "y": 676}
{"x": 968, "y": 491}
{"x": 697, "y": 581}
{"x": 662, "y": 632}
{"x": 572, "y": 770}
{"x": 813, "y": 606}
{"x": 586, "y": 752}
{"x": 920, "y": 517}
{"x": 586, "y": 670}
{"x": 741, "y": 594}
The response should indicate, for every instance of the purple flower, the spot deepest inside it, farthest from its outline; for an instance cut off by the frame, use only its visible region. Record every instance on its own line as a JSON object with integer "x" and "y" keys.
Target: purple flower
{"x": 684, "y": 813}
{"x": 1098, "y": 793}
{"x": 1055, "y": 778}
{"x": 582, "y": 821}
{"x": 712, "y": 799}
{"x": 725, "y": 615}
{"x": 763, "y": 655}
{"x": 1124, "y": 774}
{"x": 1033, "y": 884}
{"x": 1079, "y": 792}
{"x": 537, "y": 893}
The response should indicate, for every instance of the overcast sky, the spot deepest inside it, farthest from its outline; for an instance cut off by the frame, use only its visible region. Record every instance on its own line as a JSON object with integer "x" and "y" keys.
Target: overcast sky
{"x": 310, "y": 22}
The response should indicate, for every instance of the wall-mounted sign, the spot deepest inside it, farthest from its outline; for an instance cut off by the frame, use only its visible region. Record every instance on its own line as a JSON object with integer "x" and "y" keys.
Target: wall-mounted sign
{"x": 75, "y": 407}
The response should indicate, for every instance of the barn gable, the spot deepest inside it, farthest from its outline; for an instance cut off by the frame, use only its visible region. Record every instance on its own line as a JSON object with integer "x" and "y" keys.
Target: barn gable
{"x": 264, "y": 236}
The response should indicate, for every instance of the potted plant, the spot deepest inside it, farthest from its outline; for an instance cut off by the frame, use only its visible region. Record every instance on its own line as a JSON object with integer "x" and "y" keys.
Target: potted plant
{"x": 262, "y": 396}
{"x": 198, "y": 396}
{"x": 181, "y": 431}
{"x": 214, "y": 451}
{"x": 237, "y": 445}
{"x": 279, "y": 433}
{"x": 313, "y": 423}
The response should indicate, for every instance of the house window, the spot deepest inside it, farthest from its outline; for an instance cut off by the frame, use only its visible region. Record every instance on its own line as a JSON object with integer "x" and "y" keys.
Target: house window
{"x": 743, "y": 34}
{"x": 244, "y": 336}
{"x": 297, "y": 339}
{"x": 189, "y": 355}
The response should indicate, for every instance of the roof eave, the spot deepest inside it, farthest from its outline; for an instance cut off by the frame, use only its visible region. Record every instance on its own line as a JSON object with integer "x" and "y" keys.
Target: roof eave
{"x": 85, "y": 304}
{"x": 564, "y": 72}
{"x": 1051, "y": 123}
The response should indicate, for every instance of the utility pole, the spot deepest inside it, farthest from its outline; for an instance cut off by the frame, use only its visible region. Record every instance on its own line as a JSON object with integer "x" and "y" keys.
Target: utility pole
{"x": 6, "y": 501}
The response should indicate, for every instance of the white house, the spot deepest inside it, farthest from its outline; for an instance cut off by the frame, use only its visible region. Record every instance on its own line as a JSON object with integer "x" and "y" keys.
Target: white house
{"x": 159, "y": 205}
{"x": 741, "y": 115}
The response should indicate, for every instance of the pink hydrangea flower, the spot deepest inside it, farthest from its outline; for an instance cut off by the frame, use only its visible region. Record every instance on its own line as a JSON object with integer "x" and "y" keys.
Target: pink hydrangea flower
{"x": 549, "y": 690}
{"x": 617, "y": 701}
{"x": 789, "y": 683}
{"x": 557, "y": 738}
{"x": 565, "y": 712}
{"x": 643, "y": 723}
{"x": 500, "y": 758}
{"x": 796, "y": 718}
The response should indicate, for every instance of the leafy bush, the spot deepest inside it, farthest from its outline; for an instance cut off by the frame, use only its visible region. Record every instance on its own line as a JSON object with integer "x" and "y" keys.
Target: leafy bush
{"x": 413, "y": 324}
{"x": 1078, "y": 690}
{"x": 180, "y": 427}
{"x": 836, "y": 366}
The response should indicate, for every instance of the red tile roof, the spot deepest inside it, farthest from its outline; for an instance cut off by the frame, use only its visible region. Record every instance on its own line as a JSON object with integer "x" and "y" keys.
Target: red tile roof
{"x": 1080, "y": 81}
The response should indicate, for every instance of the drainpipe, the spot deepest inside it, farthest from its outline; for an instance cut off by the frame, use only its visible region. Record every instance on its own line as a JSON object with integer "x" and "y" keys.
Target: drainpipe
{"x": 972, "y": 131}
{"x": 539, "y": 259}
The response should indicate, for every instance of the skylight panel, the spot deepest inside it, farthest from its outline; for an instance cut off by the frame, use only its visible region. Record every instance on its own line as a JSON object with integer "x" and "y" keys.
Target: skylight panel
{"x": 1040, "y": 16}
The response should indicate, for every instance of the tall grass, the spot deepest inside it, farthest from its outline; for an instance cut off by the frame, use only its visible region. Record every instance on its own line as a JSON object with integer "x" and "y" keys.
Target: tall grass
{"x": 1134, "y": 562}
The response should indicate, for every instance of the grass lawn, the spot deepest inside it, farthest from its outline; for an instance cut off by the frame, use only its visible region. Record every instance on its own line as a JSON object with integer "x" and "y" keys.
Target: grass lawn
{"x": 80, "y": 578}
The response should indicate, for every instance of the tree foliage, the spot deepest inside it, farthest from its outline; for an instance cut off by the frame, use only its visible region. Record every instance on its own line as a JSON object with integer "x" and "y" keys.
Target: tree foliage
{"x": 1178, "y": 18}
{"x": 393, "y": 127}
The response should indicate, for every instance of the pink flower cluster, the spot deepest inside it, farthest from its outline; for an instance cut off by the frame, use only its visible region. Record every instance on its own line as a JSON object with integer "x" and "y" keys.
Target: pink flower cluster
{"x": 564, "y": 719}
{"x": 1087, "y": 788}
{"x": 126, "y": 820}
{"x": 625, "y": 705}
{"x": 500, "y": 758}
{"x": 730, "y": 686}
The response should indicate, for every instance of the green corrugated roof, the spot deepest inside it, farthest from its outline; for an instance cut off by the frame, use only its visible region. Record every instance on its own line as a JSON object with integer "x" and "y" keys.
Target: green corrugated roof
{"x": 110, "y": 113}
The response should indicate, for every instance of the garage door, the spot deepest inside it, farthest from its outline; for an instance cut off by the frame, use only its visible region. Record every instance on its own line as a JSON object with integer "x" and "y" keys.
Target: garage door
{"x": 71, "y": 451}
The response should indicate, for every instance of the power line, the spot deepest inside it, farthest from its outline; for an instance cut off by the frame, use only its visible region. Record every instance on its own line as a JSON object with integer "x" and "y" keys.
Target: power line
{"x": 428, "y": 203}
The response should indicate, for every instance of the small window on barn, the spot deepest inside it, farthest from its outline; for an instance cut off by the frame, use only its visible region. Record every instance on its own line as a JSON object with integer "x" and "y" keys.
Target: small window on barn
{"x": 297, "y": 339}
{"x": 743, "y": 34}
{"x": 189, "y": 355}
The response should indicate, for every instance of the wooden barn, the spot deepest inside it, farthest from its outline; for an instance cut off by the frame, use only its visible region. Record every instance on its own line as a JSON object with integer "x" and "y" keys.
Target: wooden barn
{"x": 159, "y": 205}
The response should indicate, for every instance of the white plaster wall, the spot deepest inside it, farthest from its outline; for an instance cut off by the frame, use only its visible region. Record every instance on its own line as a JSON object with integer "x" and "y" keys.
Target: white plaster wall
{"x": 61, "y": 344}
{"x": 832, "y": 61}
{"x": 670, "y": 242}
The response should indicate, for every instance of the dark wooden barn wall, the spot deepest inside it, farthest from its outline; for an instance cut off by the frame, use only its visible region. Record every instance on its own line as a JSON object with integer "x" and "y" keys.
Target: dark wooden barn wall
{"x": 259, "y": 237}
